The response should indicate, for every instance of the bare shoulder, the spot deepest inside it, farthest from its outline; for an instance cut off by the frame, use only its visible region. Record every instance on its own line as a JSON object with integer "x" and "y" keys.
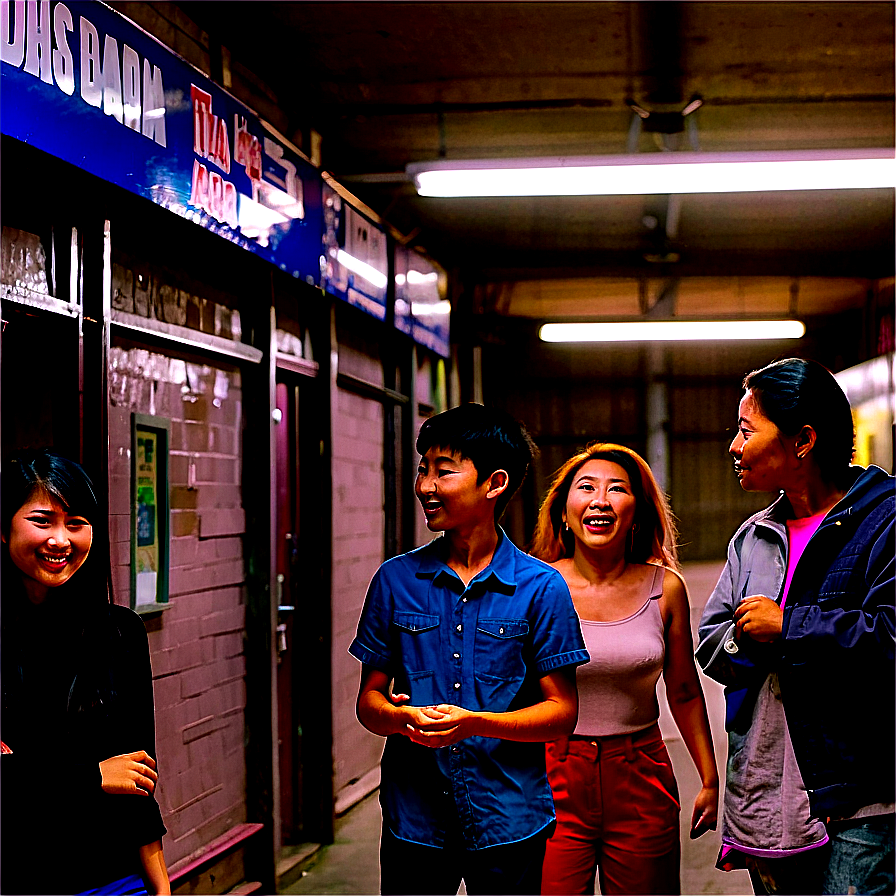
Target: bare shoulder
{"x": 674, "y": 583}
{"x": 674, "y": 602}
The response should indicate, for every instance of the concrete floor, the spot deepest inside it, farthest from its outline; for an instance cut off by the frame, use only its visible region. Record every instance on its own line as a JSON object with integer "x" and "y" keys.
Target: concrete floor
{"x": 350, "y": 865}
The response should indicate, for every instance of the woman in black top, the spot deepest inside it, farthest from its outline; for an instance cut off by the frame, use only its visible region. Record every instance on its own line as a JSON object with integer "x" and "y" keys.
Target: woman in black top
{"x": 78, "y": 766}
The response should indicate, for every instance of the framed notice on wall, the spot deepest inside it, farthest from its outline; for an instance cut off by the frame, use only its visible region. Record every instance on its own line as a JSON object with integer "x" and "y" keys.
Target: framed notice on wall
{"x": 149, "y": 513}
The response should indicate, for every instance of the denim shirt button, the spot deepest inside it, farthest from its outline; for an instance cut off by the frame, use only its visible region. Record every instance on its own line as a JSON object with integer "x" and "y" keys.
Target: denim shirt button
{"x": 460, "y": 628}
{"x": 456, "y": 685}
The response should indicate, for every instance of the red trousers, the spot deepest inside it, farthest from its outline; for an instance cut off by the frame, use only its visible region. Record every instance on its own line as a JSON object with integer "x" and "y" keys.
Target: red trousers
{"x": 617, "y": 813}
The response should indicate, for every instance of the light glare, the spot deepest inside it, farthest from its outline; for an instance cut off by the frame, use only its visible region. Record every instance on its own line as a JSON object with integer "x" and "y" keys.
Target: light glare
{"x": 361, "y": 268}
{"x": 672, "y": 331}
{"x": 433, "y": 309}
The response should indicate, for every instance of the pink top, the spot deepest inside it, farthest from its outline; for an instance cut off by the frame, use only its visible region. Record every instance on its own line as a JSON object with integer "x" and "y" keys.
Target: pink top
{"x": 798, "y": 534}
{"x": 617, "y": 688}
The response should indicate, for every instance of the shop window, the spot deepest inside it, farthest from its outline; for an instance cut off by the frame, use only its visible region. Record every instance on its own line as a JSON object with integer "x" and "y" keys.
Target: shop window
{"x": 23, "y": 264}
{"x": 293, "y": 341}
{"x": 147, "y": 291}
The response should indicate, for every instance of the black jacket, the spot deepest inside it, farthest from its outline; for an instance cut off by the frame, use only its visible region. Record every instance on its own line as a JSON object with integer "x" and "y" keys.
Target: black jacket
{"x": 70, "y": 701}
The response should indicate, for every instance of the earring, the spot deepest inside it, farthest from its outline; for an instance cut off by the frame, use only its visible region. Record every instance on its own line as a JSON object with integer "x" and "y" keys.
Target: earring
{"x": 565, "y": 526}
{"x": 631, "y": 539}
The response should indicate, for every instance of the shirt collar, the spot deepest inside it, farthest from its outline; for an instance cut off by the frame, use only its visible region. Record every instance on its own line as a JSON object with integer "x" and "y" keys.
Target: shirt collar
{"x": 502, "y": 567}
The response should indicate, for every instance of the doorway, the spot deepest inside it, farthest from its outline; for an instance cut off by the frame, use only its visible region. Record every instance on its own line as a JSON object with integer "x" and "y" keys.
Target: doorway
{"x": 287, "y": 538}
{"x": 301, "y": 552}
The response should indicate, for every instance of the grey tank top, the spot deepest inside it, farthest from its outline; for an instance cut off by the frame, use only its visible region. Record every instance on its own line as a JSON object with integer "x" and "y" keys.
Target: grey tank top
{"x": 617, "y": 688}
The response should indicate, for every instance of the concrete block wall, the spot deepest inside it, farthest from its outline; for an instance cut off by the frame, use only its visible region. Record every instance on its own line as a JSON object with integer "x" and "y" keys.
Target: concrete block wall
{"x": 358, "y": 549}
{"x": 425, "y": 398}
{"x": 196, "y": 643}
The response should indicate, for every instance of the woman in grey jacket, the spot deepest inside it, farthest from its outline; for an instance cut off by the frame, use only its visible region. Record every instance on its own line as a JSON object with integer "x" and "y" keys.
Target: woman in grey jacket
{"x": 800, "y": 630}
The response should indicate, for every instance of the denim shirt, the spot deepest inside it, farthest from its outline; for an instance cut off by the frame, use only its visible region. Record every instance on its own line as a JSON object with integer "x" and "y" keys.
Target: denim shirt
{"x": 483, "y": 647}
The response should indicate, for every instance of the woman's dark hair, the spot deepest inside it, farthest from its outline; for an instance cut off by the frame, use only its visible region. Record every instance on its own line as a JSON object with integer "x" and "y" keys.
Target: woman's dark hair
{"x": 794, "y": 393}
{"x": 491, "y": 439}
{"x": 655, "y": 533}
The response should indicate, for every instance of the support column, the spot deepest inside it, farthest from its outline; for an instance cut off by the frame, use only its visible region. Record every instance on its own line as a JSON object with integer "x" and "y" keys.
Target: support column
{"x": 658, "y": 415}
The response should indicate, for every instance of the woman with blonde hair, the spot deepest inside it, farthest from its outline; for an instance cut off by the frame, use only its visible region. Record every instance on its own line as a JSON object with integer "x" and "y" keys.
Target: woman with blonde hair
{"x": 606, "y": 526}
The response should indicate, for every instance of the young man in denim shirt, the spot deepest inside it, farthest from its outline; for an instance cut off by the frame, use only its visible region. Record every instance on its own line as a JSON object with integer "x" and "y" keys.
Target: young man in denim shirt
{"x": 483, "y": 640}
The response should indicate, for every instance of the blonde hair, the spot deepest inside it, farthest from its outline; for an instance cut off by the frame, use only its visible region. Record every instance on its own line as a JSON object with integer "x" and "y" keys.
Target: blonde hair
{"x": 655, "y": 535}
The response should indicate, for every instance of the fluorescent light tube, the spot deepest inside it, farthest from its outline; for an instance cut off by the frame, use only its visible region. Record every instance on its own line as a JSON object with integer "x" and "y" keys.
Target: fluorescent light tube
{"x": 658, "y": 173}
{"x": 672, "y": 330}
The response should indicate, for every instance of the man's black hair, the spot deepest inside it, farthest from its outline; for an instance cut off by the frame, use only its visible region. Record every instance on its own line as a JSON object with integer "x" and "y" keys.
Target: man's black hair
{"x": 490, "y": 438}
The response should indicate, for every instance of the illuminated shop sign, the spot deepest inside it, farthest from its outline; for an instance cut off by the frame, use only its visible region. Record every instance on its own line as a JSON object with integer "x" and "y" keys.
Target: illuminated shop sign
{"x": 422, "y": 309}
{"x": 354, "y": 258}
{"x": 82, "y": 83}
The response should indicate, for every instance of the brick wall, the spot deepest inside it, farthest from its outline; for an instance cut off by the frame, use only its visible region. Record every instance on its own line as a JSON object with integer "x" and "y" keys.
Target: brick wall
{"x": 358, "y": 539}
{"x": 197, "y": 643}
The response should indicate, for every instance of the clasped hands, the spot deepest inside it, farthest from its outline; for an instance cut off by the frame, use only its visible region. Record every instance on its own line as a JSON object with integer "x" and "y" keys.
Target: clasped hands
{"x": 438, "y": 726}
{"x": 129, "y": 773}
{"x": 434, "y": 726}
{"x": 759, "y": 617}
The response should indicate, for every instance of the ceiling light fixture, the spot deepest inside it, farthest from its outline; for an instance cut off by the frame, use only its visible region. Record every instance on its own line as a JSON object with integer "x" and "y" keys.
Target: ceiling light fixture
{"x": 671, "y": 330}
{"x": 648, "y": 174}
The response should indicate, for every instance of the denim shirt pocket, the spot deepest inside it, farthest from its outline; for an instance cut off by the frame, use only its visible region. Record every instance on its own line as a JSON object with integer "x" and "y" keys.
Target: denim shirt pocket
{"x": 415, "y": 622}
{"x": 500, "y": 664}
{"x": 418, "y": 635}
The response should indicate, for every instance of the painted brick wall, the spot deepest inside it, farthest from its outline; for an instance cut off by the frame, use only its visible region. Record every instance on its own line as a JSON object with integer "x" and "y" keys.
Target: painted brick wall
{"x": 358, "y": 539}
{"x": 197, "y": 643}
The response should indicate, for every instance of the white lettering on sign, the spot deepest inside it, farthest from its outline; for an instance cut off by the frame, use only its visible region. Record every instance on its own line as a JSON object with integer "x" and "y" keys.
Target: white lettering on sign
{"x": 37, "y": 40}
{"x": 63, "y": 66}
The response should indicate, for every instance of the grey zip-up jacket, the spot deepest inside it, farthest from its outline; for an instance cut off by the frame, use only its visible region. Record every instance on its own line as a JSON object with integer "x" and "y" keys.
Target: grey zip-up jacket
{"x": 765, "y": 809}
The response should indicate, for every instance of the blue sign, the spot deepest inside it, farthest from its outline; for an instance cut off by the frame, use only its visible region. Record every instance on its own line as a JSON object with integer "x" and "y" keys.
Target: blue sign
{"x": 421, "y": 307}
{"x": 355, "y": 259}
{"x": 82, "y": 83}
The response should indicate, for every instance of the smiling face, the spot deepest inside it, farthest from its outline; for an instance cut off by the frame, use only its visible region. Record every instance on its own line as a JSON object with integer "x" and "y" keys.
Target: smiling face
{"x": 47, "y": 543}
{"x": 447, "y": 489}
{"x": 762, "y": 461}
{"x": 600, "y": 506}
